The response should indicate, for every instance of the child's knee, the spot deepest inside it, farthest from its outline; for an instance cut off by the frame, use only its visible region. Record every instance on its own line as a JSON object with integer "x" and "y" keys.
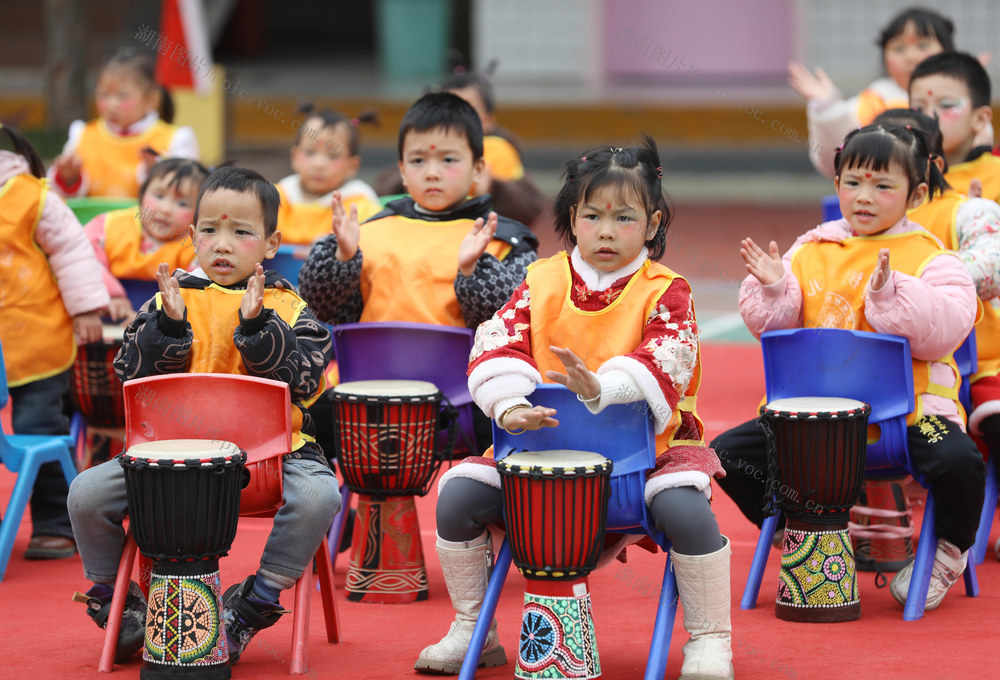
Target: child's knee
{"x": 89, "y": 490}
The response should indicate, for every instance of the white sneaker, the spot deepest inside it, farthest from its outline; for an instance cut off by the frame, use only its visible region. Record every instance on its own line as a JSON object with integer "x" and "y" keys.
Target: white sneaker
{"x": 949, "y": 565}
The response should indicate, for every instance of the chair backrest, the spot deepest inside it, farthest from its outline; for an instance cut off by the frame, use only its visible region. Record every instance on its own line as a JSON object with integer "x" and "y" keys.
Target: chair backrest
{"x": 87, "y": 208}
{"x": 831, "y": 208}
{"x": 288, "y": 261}
{"x": 4, "y": 392}
{"x": 826, "y": 362}
{"x": 968, "y": 363}
{"x": 139, "y": 291}
{"x": 622, "y": 433}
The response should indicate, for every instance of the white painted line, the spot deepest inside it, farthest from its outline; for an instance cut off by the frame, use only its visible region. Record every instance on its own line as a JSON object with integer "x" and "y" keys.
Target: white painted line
{"x": 719, "y": 326}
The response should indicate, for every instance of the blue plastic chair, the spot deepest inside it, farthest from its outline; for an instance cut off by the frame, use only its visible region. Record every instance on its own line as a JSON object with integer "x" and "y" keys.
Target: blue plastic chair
{"x": 288, "y": 261}
{"x": 831, "y": 208}
{"x": 139, "y": 291}
{"x": 624, "y": 434}
{"x": 872, "y": 367}
{"x": 24, "y": 454}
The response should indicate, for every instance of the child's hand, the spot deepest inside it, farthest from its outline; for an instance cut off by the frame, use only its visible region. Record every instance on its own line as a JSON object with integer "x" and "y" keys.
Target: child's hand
{"x": 975, "y": 188}
{"x": 253, "y": 299}
{"x": 345, "y": 228}
{"x": 148, "y": 156}
{"x": 67, "y": 169}
{"x": 474, "y": 244}
{"x": 882, "y": 272}
{"x": 170, "y": 293}
{"x": 818, "y": 87}
{"x": 88, "y": 327}
{"x": 120, "y": 309}
{"x": 533, "y": 418}
{"x": 767, "y": 267}
{"x": 577, "y": 378}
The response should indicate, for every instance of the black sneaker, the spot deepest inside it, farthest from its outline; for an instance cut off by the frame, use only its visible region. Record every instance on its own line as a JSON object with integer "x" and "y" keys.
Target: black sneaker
{"x": 245, "y": 615}
{"x": 132, "y": 634}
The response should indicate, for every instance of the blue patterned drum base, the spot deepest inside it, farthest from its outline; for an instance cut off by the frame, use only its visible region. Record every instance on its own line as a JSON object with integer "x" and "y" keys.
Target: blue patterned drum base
{"x": 818, "y": 579}
{"x": 183, "y": 621}
{"x": 557, "y": 638}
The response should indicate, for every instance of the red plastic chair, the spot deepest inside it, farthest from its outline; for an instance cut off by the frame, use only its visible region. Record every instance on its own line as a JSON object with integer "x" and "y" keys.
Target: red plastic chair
{"x": 180, "y": 406}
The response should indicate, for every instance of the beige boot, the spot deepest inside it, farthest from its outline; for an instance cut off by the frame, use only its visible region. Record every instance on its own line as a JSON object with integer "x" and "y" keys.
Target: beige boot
{"x": 466, "y": 568}
{"x": 703, "y": 585}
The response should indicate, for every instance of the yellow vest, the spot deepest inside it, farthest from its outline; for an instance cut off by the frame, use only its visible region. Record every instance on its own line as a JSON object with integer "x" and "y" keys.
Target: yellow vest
{"x": 122, "y": 242}
{"x": 409, "y": 269}
{"x": 871, "y": 104}
{"x": 213, "y": 313}
{"x": 301, "y": 223}
{"x": 502, "y": 158}
{"x": 110, "y": 160}
{"x": 938, "y": 217}
{"x": 986, "y": 169}
{"x": 833, "y": 277}
{"x": 36, "y": 331}
{"x": 613, "y": 331}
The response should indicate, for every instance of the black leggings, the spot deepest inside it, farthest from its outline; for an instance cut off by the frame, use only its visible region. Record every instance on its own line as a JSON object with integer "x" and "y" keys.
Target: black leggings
{"x": 466, "y": 507}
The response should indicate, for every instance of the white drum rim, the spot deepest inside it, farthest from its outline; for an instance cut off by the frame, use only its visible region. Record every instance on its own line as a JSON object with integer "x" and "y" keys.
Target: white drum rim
{"x": 546, "y": 462}
{"x": 818, "y": 405}
{"x": 387, "y": 388}
{"x": 182, "y": 449}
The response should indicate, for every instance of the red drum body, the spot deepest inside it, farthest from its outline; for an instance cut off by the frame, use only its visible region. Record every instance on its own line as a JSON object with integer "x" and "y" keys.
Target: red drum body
{"x": 386, "y": 434}
{"x": 96, "y": 393}
{"x": 184, "y": 502}
{"x": 816, "y": 461}
{"x": 555, "y": 509}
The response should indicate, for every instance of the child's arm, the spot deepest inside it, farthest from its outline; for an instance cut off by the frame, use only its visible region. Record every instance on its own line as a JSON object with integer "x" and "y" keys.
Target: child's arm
{"x": 484, "y": 283}
{"x": 119, "y": 308}
{"x": 978, "y": 227}
{"x": 157, "y": 341}
{"x": 272, "y": 349}
{"x": 65, "y": 173}
{"x": 770, "y": 297}
{"x": 935, "y": 312}
{"x": 330, "y": 278}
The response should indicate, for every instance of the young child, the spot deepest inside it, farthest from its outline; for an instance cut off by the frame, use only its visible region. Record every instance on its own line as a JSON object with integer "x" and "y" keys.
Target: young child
{"x": 875, "y": 270}
{"x": 911, "y": 36}
{"x": 436, "y": 256}
{"x": 109, "y": 156}
{"x": 51, "y": 298}
{"x": 225, "y": 317}
{"x": 132, "y": 242}
{"x": 633, "y": 320}
{"x": 955, "y": 89}
{"x": 325, "y": 159}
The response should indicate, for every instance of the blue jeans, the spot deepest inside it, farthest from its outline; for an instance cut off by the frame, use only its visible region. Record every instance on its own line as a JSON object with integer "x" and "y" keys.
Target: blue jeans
{"x": 98, "y": 504}
{"x": 37, "y": 408}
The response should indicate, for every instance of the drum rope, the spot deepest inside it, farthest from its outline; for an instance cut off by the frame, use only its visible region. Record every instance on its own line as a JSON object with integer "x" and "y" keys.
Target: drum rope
{"x": 771, "y": 503}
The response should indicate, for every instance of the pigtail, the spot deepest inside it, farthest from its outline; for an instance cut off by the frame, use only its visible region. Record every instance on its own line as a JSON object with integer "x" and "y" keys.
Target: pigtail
{"x": 366, "y": 118}
{"x": 24, "y": 148}
{"x": 649, "y": 155}
{"x": 166, "y": 109}
{"x": 936, "y": 183}
{"x": 568, "y": 197}
{"x": 306, "y": 108}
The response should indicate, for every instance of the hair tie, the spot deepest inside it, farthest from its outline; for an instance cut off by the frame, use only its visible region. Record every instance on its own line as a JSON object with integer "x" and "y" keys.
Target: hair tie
{"x": 659, "y": 172}
{"x": 583, "y": 160}
{"x": 909, "y": 128}
{"x": 615, "y": 149}
{"x": 459, "y": 70}
{"x": 355, "y": 122}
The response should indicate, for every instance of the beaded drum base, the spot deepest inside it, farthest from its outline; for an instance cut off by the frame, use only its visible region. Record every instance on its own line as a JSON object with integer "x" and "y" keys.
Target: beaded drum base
{"x": 557, "y": 632}
{"x": 184, "y": 632}
{"x": 881, "y": 526}
{"x": 818, "y": 579}
{"x": 387, "y": 560}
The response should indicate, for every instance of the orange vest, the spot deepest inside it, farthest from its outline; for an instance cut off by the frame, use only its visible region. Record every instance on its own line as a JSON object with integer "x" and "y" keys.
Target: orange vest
{"x": 833, "y": 278}
{"x": 986, "y": 169}
{"x": 938, "y": 217}
{"x": 870, "y": 104}
{"x": 613, "y": 331}
{"x": 36, "y": 331}
{"x": 502, "y": 158}
{"x": 111, "y": 160}
{"x": 409, "y": 269}
{"x": 301, "y": 223}
{"x": 122, "y": 242}
{"x": 213, "y": 313}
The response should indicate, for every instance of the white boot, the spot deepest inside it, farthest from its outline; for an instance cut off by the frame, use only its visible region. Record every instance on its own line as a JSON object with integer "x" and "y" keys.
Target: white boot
{"x": 703, "y": 585}
{"x": 465, "y": 567}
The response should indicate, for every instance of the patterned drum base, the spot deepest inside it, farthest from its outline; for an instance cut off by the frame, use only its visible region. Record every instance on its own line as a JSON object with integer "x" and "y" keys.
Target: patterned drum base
{"x": 387, "y": 559}
{"x": 183, "y": 622}
{"x": 818, "y": 579}
{"x": 557, "y": 638}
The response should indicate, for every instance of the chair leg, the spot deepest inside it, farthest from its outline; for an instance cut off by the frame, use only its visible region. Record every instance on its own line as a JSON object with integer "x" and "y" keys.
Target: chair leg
{"x": 759, "y": 563}
{"x": 300, "y": 625}
{"x": 337, "y": 528}
{"x": 15, "y": 508}
{"x": 328, "y": 594}
{"x": 486, "y": 613}
{"x": 666, "y": 612}
{"x": 923, "y": 563}
{"x": 978, "y": 552}
{"x": 114, "y": 624}
{"x": 971, "y": 581}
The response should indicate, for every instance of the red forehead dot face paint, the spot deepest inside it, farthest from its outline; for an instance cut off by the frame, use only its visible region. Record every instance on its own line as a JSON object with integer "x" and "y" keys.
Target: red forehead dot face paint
{"x": 868, "y": 175}
{"x": 607, "y": 207}
{"x": 225, "y": 216}
{"x": 433, "y": 147}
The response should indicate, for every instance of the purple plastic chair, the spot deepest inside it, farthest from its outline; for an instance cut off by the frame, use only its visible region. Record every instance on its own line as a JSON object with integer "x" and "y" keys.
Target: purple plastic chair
{"x": 872, "y": 367}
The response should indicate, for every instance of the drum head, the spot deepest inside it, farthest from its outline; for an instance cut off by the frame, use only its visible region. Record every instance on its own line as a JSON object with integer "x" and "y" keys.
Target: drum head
{"x": 817, "y": 405}
{"x": 387, "y": 388}
{"x": 183, "y": 449}
{"x": 549, "y": 460}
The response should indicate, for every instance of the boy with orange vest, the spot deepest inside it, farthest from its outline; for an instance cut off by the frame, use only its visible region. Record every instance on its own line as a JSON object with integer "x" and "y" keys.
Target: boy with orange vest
{"x": 227, "y": 316}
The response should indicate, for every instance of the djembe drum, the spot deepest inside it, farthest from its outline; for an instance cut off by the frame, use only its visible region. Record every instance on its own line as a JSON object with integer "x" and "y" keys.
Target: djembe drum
{"x": 816, "y": 465}
{"x": 184, "y": 503}
{"x": 386, "y": 432}
{"x": 555, "y": 508}
{"x": 881, "y": 527}
{"x": 96, "y": 392}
